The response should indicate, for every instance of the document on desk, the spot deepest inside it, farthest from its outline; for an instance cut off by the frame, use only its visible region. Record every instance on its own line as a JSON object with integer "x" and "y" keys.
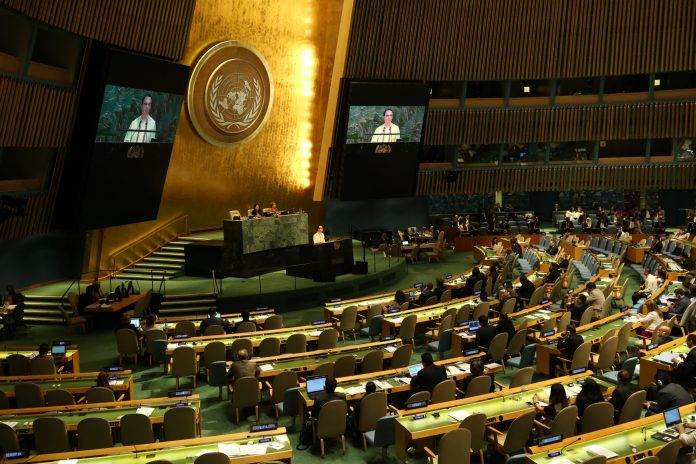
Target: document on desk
{"x": 145, "y": 410}
{"x": 464, "y": 367}
{"x": 381, "y": 384}
{"x": 276, "y": 445}
{"x": 600, "y": 451}
{"x": 459, "y": 415}
{"x": 314, "y": 333}
{"x": 266, "y": 367}
{"x": 230, "y": 449}
{"x": 453, "y": 370}
{"x": 10, "y": 423}
{"x": 116, "y": 382}
{"x": 68, "y": 461}
{"x": 492, "y": 366}
{"x": 255, "y": 449}
{"x": 390, "y": 348}
{"x": 666, "y": 357}
{"x": 406, "y": 380}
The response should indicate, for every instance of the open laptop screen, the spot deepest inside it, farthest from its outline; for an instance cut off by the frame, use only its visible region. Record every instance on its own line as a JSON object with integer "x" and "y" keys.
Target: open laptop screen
{"x": 413, "y": 369}
{"x": 672, "y": 417}
{"x": 58, "y": 350}
{"x": 316, "y": 383}
{"x": 136, "y": 322}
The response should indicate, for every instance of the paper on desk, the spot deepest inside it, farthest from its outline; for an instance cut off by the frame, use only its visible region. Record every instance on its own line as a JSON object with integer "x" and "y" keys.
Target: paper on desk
{"x": 68, "y": 461}
{"x": 172, "y": 346}
{"x": 562, "y": 461}
{"x": 10, "y": 423}
{"x": 276, "y": 446}
{"x": 396, "y": 319}
{"x": 116, "y": 382}
{"x": 230, "y": 449}
{"x": 459, "y": 415}
{"x": 464, "y": 367}
{"x": 390, "y": 348}
{"x": 600, "y": 451}
{"x": 492, "y": 365}
{"x": 314, "y": 333}
{"x": 382, "y": 384}
{"x": 452, "y": 370}
{"x": 257, "y": 448}
{"x": 282, "y": 438}
{"x": 266, "y": 367}
{"x": 405, "y": 380}
{"x": 145, "y": 410}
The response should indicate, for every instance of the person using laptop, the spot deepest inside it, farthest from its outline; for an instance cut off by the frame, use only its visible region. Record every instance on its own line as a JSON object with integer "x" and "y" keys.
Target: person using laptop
{"x": 213, "y": 319}
{"x": 669, "y": 395}
{"x": 324, "y": 397}
{"x": 686, "y": 366}
{"x": 485, "y": 333}
{"x": 430, "y": 375}
{"x": 687, "y": 437}
{"x": 44, "y": 353}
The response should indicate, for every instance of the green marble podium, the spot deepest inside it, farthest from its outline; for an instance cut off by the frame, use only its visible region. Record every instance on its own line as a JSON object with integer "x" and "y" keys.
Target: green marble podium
{"x": 266, "y": 233}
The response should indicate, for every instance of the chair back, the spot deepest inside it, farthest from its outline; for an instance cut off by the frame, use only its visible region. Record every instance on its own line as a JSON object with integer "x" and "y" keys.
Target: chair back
{"x": 430, "y": 301}
{"x": 100, "y": 395}
{"x": 328, "y": 339}
{"x": 633, "y": 407}
{"x": 372, "y": 311}
{"x": 136, "y": 429}
{"x": 372, "y": 362}
{"x": 291, "y": 402}
{"x": 73, "y": 302}
{"x": 606, "y": 307}
{"x": 630, "y": 365}
{"x": 516, "y": 343}
{"x": 401, "y": 357}
{"x": 527, "y": 356}
{"x": 479, "y": 386}
{"x": 419, "y": 397}
{"x": 273, "y": 322}
{"x": 184, "y": 361}
{"x": 326, "y": 368}
{"x": 217, "y": 374}
{"x": 384, "y": 431}
{"x": 58, "y": 397}
{"x": 496, "y": 350}
{"x": 246, "y": 327}
{"x": 597, "y": 416}
{"x": 246, "y": 392}
{"x": 8, "y": 438}
{"x": 455, "y": 447}
{"x": 159, "y": 351}
{"x": 481, "y": 309}
{"x": 180, "y": 423}
{"x": 518, "y": 433}
{"x": 344, "y": 366}
{"x": 669, "y": 452}
{"x": 648, "y": 460}
{"x": 522, "y": 377}
{"x": 408, "y": 328}
{"x": 349, "y": 317}
{"x": 444, "y": 391}
{"x": 185, "y": 328}
{"x": 463, "y": 314}
{"x": 94, "y": 433}
{"x": 537, "y": 296}
{"x": 269, "y": 346}
{"x": 241, "y": 344}
{"x": 446, "y": 296}
{"x": 214, "y": 457}
{"x": 214, "y": 330}
{"x": 42, "y": 366}
{"x": 508, "y": 306}
{"x": 607, "y": 352}
{"x": 549, "y": 324}
{"x": 623, "y": 337}
{"x": 50, "y": 435}
{"x": 372, "y": 407}
{"x": 214, "y": 351}
{"x": 586, "y": 316}
{"x": 127, "y": 342}
{"x": 476, "y": 425}
{"x": 152, "y": 335}
{"x": 296, "y": 343}
{"x": 564, "y": 422}
{"x": 18, "y": 364}
{"x": 332, "y": 421}
{"x": 28, "y": 395}
{"x": 581, "y": 357}
{"x": 282, "y": 383}
{"x": 446, "y": 323}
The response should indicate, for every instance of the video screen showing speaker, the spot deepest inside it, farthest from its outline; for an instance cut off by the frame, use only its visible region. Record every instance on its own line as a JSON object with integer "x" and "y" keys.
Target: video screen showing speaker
{"x": 380, "y": 140}
{"x": 129, "y": 111}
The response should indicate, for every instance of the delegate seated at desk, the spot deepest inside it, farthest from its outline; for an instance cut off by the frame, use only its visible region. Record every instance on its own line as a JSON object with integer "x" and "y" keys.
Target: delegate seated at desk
{"x": 213, "y": 319}
{"x": 319, "y": 236}
{"x": 242, "y": 368}
{"x": 430, "y": 375}
{"x": 324, "y": 397}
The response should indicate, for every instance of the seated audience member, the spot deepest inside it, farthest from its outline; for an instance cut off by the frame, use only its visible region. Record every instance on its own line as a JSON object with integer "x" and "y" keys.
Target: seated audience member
{"x": 370, "y": 387}
{"x": 399, "y": 299}
{"x": 515, "y": 246}
{"x": 590, "y": 393}
{"x": 553, "y": 275}
{"x": 553, "y": 248}
{"x": 430, "y": 375}
{"x": 476, "y": 369}
{"x": 103, "y": 380}
{"x": 681, "y": 234}
{"x": 274, "y": 209}
{"x": 547, "y": 408}
{"x": 485, "y": 334}
{"x": 10, "y": 296}
{"x": 564, "y": 262}
{"x": 651, "y": 320}
{"x": 687, "y": 262}
{"x": 595, "y": 297}
{"x": 256, "y": 211}
{"x": 663, "y": 334}
{"x": 685, "y": 371}
{"x": 471, "y": 281}
{"x": 44, "y": 353}
{"x": 440, "y": 288}
{"x": 567, "y": 344}
{"x": 651, "y": 284}
{"x": 578, "y": 306}
{"x": 566, "y": 225}
{"x": 680, "y": 303}
{"x": 245, "y": 318}
{"x": 621, "y": 393}
{"x": 525, "y": 289}
{"x": 329, "y": 394}
{"x": 497, "y": 247}
{"x": 657, "y": 245}
{"x": 669, "y": 395}
{"x": 150, "y": 322}
{"x": 426, "y": 293}
{"x": 506, "y": 293}
{"x": 213, "y": 319}
{"x": 505, "y": 325}
{"x": 587, "y": 224}
{"x": 242, "y": 367}
{"x": 124, "y": 322}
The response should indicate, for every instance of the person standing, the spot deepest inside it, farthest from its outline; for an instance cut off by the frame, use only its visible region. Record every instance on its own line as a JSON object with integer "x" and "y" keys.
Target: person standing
{"x": 387, "y": 132}
{"x": 143, "y": 128}
{"x": 319, "y": 236}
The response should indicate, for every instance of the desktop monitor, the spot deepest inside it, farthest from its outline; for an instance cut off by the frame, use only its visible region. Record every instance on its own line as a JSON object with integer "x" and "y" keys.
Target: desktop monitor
{"x": 672, "y": 417}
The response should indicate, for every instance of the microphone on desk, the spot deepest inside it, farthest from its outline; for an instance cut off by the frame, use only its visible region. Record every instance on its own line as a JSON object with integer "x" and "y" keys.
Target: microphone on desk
{"x": 571, "y": 443}
{"x": 645, "y": 433}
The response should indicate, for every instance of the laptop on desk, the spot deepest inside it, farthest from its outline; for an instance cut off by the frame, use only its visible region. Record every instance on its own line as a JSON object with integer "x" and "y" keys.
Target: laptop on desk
{"x": 672, "y": 418}
{"x": 413, "y": 369}
{"x": 316, "y": 384}
{"x": 58, "y": 351}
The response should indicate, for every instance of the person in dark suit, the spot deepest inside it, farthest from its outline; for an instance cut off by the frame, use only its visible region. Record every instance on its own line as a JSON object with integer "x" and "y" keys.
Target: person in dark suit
{"x": 515, "y": 247}
{"x": 669, "y": 395}
{"x": 213, "y": 319}
{"x": 578, "y": 306}
{"x": 245, "y": 318}
{"x": 553, "y": 248}
{"x": 553, "y": 275}
{"x": 426, "y": 293}
{"x": 567, "y": 344}
{"x": 505, "y": 325}
{"x": 324, "y": 397}
{"x": 440, "y": 288}
{"x": 471, "y": 281}
{"x": 525, "y": 289}
{"x": 682, "y": 302}
{"x": 243, "y": 367}
{"x": 430, "y": 375}
{"x": 622, "y": 392}
{"x": 485, "y": 334}
{"x": 686, "y": 367}
{"x": 590, "y": 393}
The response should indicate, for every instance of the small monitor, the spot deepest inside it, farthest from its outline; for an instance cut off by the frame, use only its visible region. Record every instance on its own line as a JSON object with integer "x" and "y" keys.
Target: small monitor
{"x": 319, "y": 322}
{"x": 58, "y": 350}
{"x": 264, "y": 427}
{"x": 474, "y": 326}
{"x": 179, "y": 393}
{"x": 624, "y": 309}
{"x": 411, "y": 293}
{"x": 180, "y": 336}
{"x": 418, "y": 285}
{"x": 17, "y": 454}
{"x": 548, "y": 333}
{"x": 113, "y": 368}
{"x": 550, "y": 440}
{"x": 335, "y": 300}
{"x": 417, "y": 404}
{"x": 449, "y": 276}
{"x": 404, "y": 243}
{"x": 579, "y": 370}
{"x": 414, "y": 369}
{"x": 672, "y": 417}
{"x": 471, "y": 352}
{"x": 387, "y": 338}
{"x": 652, "y": 346}
{"x": 393, "y": 310}
{"x": 136, "y": 322}
{"x": 316, "y": 384}
{"x": 477, "y": 293}
{"x": 262, "y": 308}
{"x": 62, "y": 342}
{"x": 463, "y": 323}
{"x": 544, "y": 301}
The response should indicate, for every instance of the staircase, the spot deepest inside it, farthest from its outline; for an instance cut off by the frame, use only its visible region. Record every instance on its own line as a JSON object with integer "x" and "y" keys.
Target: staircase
{"x": 166, "y": 262}
{"x": 42, "y": 309}
{"x": 193, "y": 304}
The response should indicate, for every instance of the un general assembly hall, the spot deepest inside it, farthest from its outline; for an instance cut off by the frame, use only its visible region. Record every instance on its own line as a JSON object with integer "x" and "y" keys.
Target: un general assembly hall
{"x": 363, "y": 231}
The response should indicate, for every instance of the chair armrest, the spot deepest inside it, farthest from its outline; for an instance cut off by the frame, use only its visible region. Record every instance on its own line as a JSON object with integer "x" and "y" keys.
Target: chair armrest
{"x": 500, "y": 385}
{"x": 392, "y": 409}
{"x": 542, "y": 425}
{"x": 494, "y": 430}
{"x": 60, "y": 369}
{"x": 460, "y": 392}
{"x": 82, "y": 399}
{"x": 430, "y": 453}
{"x": 121, "y": 397}
{"x": 268, "y": 386}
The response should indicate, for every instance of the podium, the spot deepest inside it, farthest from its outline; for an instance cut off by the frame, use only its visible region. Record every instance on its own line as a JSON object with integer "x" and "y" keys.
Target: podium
{"x": 322, "y": 262}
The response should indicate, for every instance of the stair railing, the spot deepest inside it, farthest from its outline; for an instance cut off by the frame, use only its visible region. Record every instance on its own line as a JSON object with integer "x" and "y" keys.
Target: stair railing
{"x": 145, "y": 245}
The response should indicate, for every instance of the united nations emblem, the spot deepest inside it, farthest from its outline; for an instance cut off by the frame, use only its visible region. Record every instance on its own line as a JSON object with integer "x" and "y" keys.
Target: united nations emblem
{"x": 230, "y": 94}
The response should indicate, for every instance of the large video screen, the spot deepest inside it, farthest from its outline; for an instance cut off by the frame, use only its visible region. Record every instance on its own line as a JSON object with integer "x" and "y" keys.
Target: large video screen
{"x": 136, "y": 115}
{"x": 380, "y": 124}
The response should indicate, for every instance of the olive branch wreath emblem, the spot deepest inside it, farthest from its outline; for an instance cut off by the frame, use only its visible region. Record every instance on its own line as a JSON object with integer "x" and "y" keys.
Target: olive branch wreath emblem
{"x": 217, "y": 114}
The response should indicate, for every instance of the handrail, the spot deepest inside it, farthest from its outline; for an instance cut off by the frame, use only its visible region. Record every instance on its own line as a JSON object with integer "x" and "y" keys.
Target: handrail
{"x": 131, "y": 247}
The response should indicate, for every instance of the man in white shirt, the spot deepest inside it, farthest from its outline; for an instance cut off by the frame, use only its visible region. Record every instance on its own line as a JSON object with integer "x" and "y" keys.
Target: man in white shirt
{"x": 319, "y": 235}
{"x": 143, "y": 128}
{"x": 387, "y": 132}
{"x": 651, "y": 284}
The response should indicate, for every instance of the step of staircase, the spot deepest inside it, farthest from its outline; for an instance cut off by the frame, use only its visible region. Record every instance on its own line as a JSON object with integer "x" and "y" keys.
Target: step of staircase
{"x": 157, "y": 259}
{"x": 173, "y": 248}
{"x": 150, "y": 265}
{"x": 177, "y": 303}
{"x": 168, "y": 254}
{"x": 192, "y": 304}
{"x": 142, "y": 276}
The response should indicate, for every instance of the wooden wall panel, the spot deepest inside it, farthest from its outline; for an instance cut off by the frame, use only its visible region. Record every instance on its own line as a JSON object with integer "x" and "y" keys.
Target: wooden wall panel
{"x": 154, "y": 27}
{"x": 616, "y": 122}
{"x": 559, "y": 178}
{"x": 519, "y": 39}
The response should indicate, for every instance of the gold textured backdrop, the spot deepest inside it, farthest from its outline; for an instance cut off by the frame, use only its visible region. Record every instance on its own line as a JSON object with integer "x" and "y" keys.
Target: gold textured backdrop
{"x": 298, "y": 39}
